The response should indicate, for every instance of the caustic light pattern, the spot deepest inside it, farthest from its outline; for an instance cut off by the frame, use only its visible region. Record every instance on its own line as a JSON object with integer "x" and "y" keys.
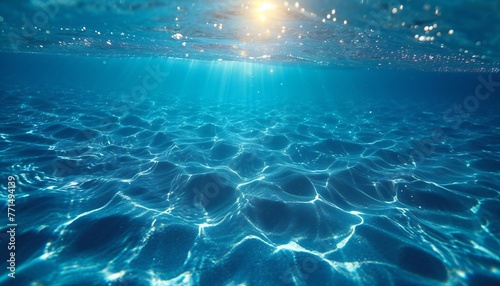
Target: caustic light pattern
{"x": 219, "y": 194}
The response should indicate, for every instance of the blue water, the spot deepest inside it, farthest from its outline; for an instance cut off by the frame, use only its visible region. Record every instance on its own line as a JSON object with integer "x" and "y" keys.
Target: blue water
{"x": 188, "y": 153}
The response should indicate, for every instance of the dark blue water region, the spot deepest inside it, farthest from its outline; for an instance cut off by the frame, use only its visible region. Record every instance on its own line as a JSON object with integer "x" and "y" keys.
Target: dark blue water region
{"x": 225, "y": 81}
{"x": 175, "y": 172}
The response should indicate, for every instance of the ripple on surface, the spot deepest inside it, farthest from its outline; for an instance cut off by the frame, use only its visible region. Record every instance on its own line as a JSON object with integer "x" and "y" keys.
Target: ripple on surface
{"x": 133, "y": 120}
{"x": 247, "y": 164}
{"x": 161, "y": 140}
{"x": 169, "y": 245}
{"x": 422, "y": 263}
{"x": 338, "y": 147}
{"x": 223, "y": 150}
{"x": 482, "y": 279}
{"x": 211, "y": 191}
{"x": 275, "y": 142}
{"x": 298, "y": 184}
{"x": 208, "y": 130}
{"x": 431, "y": 200}
{"x": 486, "y": 165}
{"x": 32, "y": 138}
{"x": 352, "y": 187}
{"x": 105, "y": 237}
{"x": 251, "y": 259}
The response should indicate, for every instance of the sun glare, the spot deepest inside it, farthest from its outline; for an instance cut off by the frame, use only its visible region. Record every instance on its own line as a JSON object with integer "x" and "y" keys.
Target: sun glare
{"x": 264, "y": 9}
{"x": 266, "y": 6}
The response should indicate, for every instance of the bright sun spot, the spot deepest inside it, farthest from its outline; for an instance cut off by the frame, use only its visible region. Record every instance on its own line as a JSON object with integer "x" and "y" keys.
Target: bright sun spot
{"x": 264, "y": 8}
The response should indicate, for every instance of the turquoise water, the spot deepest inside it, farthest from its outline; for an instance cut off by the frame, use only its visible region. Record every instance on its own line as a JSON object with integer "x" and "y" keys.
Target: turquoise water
{"x": 250, "y": 143}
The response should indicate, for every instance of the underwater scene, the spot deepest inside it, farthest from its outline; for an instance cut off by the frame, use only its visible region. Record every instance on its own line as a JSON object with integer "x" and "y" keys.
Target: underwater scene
{"x": 339, "y": 142}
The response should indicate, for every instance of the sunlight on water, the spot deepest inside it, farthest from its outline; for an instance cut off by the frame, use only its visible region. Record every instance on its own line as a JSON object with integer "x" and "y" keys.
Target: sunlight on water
{"x": 362, "y": 34}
